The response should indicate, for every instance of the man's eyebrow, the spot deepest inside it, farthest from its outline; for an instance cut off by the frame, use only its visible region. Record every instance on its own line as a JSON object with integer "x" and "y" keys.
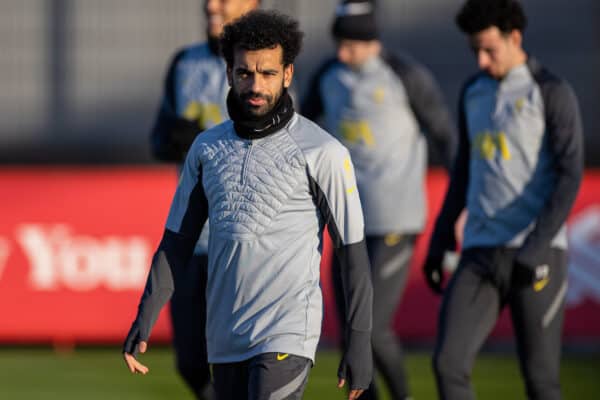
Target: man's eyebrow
{"x": 260, "y": 71}
{"x": 268, "y": 71}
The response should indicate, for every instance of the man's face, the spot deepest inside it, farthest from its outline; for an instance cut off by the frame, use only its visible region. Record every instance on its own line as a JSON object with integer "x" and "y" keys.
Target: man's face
{"x": 355, "y": 53}
{"x": 258, "y": 78}
{"x": 496, "y": 52}
{"x": 221, "y": 12}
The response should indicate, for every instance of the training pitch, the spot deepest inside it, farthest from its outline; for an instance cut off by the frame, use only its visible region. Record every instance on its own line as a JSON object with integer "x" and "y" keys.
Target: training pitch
{"x": 100, "y": 373}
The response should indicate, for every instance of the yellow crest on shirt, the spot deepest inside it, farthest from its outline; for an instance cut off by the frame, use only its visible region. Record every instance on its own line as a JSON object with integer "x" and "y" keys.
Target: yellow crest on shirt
{"x": 207, "y": 115}
{"x": 519, "y": 104}
{"x": 355, "y": 132}
{"x": 487, "y": 143}
{"x": 379, "y": 95}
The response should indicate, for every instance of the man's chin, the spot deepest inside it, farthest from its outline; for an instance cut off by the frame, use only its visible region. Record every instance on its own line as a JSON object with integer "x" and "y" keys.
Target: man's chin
{"x": 256, "y": 112}
{"x": 214, "y": 33}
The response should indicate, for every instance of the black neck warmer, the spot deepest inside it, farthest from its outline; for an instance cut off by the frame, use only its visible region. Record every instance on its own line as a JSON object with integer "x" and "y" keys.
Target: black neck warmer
{"x": 259, "y": 127}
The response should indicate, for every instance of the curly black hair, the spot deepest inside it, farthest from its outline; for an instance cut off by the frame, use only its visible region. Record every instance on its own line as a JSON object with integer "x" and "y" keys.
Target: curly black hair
{"x": 260, "y": 29}
{"x": 478, "y": 15}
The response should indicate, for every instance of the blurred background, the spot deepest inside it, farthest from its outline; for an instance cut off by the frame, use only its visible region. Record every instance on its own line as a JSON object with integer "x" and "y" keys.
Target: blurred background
{"x": 82, "y": 203}
{"x": 81, "y": 79}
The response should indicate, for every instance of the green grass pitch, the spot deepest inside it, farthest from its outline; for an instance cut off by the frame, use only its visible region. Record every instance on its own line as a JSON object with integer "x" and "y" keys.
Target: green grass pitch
{"x": 100, "y": 373}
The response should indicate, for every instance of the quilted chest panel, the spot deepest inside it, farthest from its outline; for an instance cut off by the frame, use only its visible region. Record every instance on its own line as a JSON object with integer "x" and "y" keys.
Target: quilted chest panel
{"x": 247, "y": 182}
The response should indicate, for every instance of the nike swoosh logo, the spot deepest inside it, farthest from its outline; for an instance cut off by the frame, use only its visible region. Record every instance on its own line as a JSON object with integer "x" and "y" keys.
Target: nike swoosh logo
{"x": 281, "y": 357}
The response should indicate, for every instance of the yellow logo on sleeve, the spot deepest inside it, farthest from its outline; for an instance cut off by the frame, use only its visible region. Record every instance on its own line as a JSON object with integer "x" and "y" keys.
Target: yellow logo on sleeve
{"x": 348, "y": 169}
{"x": 282, "y": 356}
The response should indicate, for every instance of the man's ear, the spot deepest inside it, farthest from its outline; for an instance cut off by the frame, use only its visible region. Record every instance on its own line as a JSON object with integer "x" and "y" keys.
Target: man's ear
{"x": 516, "y": 37}
{"x": 288, "y": 73}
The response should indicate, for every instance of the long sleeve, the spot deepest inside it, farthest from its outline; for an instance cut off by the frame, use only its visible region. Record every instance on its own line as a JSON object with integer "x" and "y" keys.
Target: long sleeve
{"x": 428, "y": 104}
{"x": 443, "y": 237}
{"x": 334, "y": 188}
{"x": 565, "y": 134}
{"x": 188, "y": 214}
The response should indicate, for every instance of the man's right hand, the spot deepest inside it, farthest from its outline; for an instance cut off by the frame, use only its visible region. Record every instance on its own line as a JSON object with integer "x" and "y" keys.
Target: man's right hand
{"x": 433, "y": 271}
{"x": 353, "y": 394}
{"x": 133, "y": 364}
{"x": 356, "y": 366}
{"x": 135, "y": 343}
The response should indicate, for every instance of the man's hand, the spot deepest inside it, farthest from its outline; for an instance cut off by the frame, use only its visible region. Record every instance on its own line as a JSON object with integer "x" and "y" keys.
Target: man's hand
{"x": 356, "y": 366}
{"x": 354, "y": 393}
{"x": 536, "y": 277}
{"x": 135, "y": 343}
{"x": 433, "y": 271}
{"x": 133, "y": 364}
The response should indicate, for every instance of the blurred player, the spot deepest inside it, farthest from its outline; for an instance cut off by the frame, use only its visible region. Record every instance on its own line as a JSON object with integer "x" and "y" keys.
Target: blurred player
{"x": 269, "y": 180}
{"x": 518, "y": 169}
{"x": 194, "y": 100}
{"x": 382, "y": 108}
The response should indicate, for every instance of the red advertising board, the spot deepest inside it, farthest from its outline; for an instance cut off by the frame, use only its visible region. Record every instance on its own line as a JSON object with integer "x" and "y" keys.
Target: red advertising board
{"x": 76, "y": 244}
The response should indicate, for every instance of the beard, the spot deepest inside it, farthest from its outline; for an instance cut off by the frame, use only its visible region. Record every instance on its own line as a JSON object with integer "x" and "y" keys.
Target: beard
{"x": 251, "y": 111}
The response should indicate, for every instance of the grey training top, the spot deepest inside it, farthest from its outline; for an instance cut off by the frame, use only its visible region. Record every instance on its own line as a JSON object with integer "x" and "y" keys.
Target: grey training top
{"x": 268, "y": 199}
{"x": 519, "y": 164}
{"x": 379, "y": 112}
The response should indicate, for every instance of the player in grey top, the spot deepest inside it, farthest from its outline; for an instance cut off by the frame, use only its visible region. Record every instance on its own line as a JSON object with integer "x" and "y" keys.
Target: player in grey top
{"x": 269, "y": 181}
{"x": 195, "y": 91}
{"x": 383, "y": 109}
{"x": 517, "y": 172}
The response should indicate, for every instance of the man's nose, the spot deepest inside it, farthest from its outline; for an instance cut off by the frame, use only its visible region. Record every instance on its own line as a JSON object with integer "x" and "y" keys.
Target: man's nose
{"x": 212, "y": 6}
{"x": 483, "y": 60}
{"x": 256, "y": 83}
